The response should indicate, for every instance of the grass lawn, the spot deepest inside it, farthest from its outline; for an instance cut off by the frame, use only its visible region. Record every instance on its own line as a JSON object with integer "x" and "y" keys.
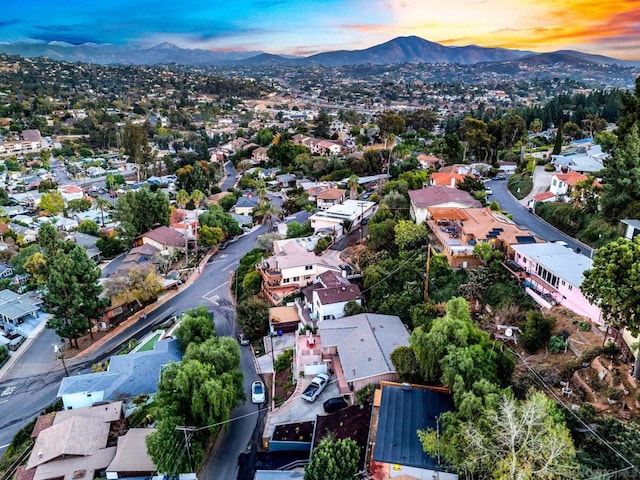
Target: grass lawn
{"x": 150, "y": 343}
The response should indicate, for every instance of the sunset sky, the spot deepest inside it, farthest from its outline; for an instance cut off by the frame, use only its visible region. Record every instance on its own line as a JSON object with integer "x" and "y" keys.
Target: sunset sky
{"x": 608, "y": 27}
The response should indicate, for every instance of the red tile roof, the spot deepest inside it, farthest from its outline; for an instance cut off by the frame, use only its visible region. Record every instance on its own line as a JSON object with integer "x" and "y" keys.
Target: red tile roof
{"x": 571, "y": 177}
{"x": 331, "y": 194}
{"x": 541, "y": 197}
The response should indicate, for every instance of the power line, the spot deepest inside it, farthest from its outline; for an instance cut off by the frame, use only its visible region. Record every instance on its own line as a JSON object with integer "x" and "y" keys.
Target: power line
{"x": 609, "y": 474}
{"x": 197, "y": 429}
{"x": 575, "y": 415}
{"x": 394, "y": 271}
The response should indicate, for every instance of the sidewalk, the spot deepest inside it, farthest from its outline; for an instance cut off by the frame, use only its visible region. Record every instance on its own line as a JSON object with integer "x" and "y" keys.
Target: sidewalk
{"x": 15, "y": 356}
{"x": 195, "y": 274}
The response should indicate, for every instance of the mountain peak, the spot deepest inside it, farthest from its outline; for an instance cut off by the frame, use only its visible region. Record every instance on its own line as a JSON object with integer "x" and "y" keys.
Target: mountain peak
{"x": 165, "y": 46}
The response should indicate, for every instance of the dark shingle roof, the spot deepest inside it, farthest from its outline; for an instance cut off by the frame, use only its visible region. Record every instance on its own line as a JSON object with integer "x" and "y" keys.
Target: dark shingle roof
{"x": 437, "y": 195}
{"x": 166, "y": 236}
{"x": 403, "y": 411}
{"x": 128, "y": 375}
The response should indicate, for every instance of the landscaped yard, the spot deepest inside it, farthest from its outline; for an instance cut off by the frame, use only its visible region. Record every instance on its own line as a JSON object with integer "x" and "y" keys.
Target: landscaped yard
{"x": 150, "y": 342}
{"x": 284, "y": 386}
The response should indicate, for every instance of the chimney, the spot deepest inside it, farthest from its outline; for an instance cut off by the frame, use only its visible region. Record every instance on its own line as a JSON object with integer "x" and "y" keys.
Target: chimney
{"x": 453, "y": 182}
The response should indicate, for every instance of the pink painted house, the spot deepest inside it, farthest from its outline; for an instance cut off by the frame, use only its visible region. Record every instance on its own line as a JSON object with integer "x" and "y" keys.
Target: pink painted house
{"x": 552, "y": 274}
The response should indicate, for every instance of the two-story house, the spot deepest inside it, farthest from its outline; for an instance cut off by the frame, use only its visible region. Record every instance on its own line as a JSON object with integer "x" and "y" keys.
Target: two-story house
{"x": 459, "y": 230}
{"x": 329, "y": 197}
{"x": 336, "y": 220}
{"x": 563, "y": 183}
{"x": 259, "y": 155}
{"x": 290, "y": 268}
{"x": 438, "y": 196}
{"x": 327, "y": 298}
{"x": 552, "y": 274}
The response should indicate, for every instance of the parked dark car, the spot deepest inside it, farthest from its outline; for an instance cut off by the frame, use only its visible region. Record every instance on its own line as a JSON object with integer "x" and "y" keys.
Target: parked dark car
{"x": 334, "y": 404}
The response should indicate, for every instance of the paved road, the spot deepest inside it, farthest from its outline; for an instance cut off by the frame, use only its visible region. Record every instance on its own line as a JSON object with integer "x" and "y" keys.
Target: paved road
{"x": 24, "y": 395}
{"x": 530, "y": 221}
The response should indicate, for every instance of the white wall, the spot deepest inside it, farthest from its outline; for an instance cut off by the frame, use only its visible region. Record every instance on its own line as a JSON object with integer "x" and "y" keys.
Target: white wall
{"x": 305, "y": 277}
{"x": 336, "y": 310}
{"x": 314, "y": 368}
{"x": 419, "y": 473}
{"x": 81, "y": 399}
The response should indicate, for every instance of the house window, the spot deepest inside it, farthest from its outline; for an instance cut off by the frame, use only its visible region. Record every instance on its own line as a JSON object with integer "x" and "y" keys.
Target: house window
{"x": 563, "y": 283}
{"x": 570, "y": 287}
{"x": 295, "y": 279}
{"x": 285, "y": 280}
{"x": 307, "y": 277}
{"x": 326, "y": 317}
{"x": 308, "y": 267}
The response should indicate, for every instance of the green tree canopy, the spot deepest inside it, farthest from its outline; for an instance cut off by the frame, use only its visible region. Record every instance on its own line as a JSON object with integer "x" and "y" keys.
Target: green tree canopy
{"x": 88, "y": 227}
{"x": 456, "y": 352}
{"x": 333, "y": 460}
{"x": 390, "y": 123}
{"x": 409, "y": 235}
{"x": 79, "y": 205}
{"x": 216, "y": 217}
{"x": 139, "y": 283}
{"x": 139, "y": 211}
{"x": 621, "y": 179}
{"x": 253, "y": 316}
{"x": 51, "y": 203}
{"x": 196, "y": 326}
{"x": 524, "y": 440}
{"x": 72, "y": 292}
{"x": 612, "y": 283}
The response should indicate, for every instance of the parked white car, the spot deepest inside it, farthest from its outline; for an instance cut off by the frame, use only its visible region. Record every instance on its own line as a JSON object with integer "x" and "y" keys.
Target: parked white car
{"x": 318, "y": 384}
{"x": 257, "y": 393}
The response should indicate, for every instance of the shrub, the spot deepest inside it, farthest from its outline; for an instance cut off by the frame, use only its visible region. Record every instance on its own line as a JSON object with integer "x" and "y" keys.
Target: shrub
{"x": 614, "y": 393}
{"x": 536, "y": 331}
{"x": 4, "y": 353}
{"x": 520, "y": 185}
{"x": 549, "y": 168}
{"x": 557, "y": 344}
{"x": 283, "y": 361}
{"x": 365, "y": 395}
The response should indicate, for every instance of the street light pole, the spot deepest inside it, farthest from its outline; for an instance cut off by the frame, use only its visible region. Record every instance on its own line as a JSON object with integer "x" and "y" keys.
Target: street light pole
{"x": 60, "y": 355}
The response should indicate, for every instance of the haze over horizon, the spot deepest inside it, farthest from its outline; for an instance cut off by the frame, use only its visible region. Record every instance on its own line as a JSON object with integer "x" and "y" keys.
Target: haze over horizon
{"x": 609, "y": 27}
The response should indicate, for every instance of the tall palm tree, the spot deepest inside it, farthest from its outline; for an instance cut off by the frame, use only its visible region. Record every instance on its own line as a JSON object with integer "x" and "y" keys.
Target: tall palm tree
{"x": 102, "y": 203}
{"x": 268, "y": 211}
{"x": 197, "y": 197}
{"x": 353, "y": 186}
{"x": 261, "y": 190}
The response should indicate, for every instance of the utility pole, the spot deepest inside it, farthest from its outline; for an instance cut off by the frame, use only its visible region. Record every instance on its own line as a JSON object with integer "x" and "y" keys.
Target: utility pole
{"x": 361, "y": 218}
{"x": 188, "y": 432}
{"x": 60, "y": 355}
{"x": 426, "y": 278}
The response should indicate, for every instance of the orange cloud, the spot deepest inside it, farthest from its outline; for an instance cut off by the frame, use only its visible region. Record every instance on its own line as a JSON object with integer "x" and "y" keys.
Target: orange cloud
{"x": 542, "y": 25}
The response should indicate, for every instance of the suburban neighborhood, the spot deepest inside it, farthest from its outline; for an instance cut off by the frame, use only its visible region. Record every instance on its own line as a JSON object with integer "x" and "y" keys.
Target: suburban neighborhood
{"x": 311, "y": 273}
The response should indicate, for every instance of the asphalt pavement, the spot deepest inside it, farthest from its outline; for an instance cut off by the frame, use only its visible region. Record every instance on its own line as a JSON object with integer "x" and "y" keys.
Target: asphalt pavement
{"x": 32, "y": 383}
{"x": 529, "y": 220}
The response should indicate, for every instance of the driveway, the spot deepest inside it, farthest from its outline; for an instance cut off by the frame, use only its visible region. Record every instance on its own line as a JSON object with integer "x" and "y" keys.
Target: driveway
{"x": 298, "y": 410}
{"x": 541, "y": 183}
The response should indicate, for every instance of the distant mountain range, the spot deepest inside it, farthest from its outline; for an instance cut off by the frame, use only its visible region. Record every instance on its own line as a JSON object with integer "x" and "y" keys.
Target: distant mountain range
{"x": 397, "y": 51}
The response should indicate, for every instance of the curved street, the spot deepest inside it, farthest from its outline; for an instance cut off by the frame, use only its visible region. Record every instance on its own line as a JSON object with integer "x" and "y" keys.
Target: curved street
{"x": 531, "y": 221}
